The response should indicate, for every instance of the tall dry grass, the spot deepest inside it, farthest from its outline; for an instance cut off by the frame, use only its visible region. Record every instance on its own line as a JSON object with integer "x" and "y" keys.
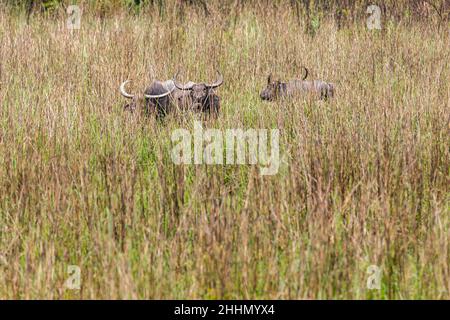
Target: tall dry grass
{"x": 365, "y": 179}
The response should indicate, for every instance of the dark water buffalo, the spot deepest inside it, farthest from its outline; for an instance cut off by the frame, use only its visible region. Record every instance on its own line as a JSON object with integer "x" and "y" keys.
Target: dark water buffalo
{"x": 278, "y": 89}
{"x": 156, "y": 97}
{"x": 201, "y": 97}
{"x": 171, "y": 96}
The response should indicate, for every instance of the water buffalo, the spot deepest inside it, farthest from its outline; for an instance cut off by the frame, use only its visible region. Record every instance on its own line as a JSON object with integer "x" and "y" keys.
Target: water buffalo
{"x": 278, "y": 89}
{"x": 169, "y": 96}
{"x": 201, "y": 97}
{"x": 156, "y": 98}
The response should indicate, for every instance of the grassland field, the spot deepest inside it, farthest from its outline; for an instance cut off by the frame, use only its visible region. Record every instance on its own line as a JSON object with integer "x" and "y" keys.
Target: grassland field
{"x": 364, "y": 180}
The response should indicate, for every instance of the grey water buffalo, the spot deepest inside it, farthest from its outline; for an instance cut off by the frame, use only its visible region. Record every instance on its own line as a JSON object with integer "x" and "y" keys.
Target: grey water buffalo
{"x": 171, "y": 96}
{"x": 277, "y": 89}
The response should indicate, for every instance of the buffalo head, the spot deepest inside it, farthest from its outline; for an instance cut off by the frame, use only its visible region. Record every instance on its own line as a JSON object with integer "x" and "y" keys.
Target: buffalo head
{"x": 202, "y": 95}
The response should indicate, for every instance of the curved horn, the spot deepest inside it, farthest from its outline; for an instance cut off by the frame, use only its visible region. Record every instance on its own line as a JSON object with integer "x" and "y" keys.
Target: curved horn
{"x": 218, "y": 82}
{"x": 181, "y": 86}
{"x": 306, "y": 72}
{"x": 123, "y": 92}
{"x": 157, "y": 96}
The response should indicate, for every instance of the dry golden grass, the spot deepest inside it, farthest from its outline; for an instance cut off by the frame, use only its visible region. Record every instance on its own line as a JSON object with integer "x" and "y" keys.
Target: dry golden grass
{"x": 83, "y": 183}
